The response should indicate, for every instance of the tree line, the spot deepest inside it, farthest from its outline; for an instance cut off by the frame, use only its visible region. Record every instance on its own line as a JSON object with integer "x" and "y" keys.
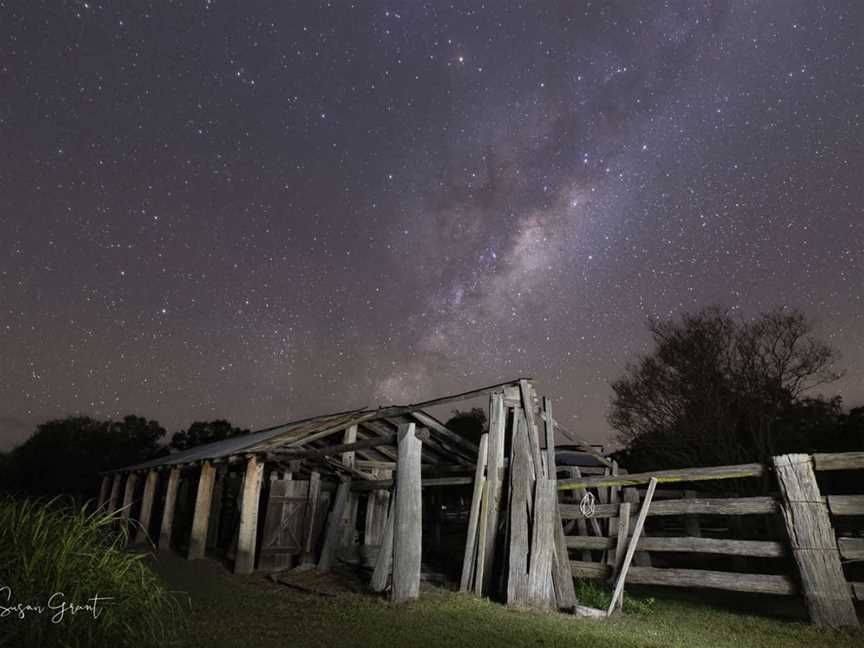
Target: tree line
{"x": 65, "y": 455}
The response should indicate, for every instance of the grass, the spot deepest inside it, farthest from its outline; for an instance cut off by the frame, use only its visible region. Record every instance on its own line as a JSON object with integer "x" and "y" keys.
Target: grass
{"x": 54, "y": 548}
{"x": 227, "y": 610}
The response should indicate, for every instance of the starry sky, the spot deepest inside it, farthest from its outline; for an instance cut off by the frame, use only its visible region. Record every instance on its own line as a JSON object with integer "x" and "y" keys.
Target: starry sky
{"x": 263, "y": 210}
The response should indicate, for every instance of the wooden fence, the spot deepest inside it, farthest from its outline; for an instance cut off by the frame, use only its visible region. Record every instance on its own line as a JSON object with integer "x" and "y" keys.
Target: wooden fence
{"x": 801, "y": 519}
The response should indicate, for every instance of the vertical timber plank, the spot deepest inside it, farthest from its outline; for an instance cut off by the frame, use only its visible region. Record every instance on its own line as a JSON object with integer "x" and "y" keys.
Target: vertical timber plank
{"x": 311, "y": 519}
{"x": 384, "y": 564}
{"x": 542, "y": 543}
{"x": 143, "y": 531}
{"x": 814, "y": 543}
{"x": 562, "y": 575}
{"x": 623, "y": 533}
{"x": 114, "y": 498}
{"x": 335, "y": 527}
{"x": 468, "y": 560}
{"x": 128, "y": 495}
{"x": 201, "y": 516}
{"x": 517, "y": 568}
{"x": 247, "y": 534}
{"x": 408, "y": 520}
{"x": 167, "y": 525}
{"x": 104, "y": 490}
{"x": 490, "y": 502}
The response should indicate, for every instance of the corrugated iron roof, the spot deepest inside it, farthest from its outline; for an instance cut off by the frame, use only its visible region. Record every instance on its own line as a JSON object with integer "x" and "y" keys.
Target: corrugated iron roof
{"x": 268, "y": 438}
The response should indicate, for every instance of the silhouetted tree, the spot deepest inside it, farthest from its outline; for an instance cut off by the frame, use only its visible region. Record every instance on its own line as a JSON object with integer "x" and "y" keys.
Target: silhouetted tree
{"x": 470, "y": 424}
{"x": 201, "y": 432}
{"x": 64, "y": 456}
{"x": 718, "y": 390}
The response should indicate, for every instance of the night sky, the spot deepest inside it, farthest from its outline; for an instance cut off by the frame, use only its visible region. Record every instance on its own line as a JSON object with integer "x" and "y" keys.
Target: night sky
{"x": 268, "y": 210}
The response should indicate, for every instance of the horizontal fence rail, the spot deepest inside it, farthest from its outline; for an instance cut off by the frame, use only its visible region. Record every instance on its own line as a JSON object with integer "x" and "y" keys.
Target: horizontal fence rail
{"x": 599, "y": 530}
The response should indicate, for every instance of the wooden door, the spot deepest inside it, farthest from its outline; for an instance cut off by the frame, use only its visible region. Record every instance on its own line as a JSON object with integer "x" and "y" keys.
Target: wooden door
{"x": 284, "y": 523}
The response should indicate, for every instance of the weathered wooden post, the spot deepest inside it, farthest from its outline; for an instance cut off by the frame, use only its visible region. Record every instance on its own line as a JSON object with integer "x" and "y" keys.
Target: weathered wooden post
{"x": 520, "y": 494}
{"x": 384, "y": 564}
{"x": 468, "y": 559}
{"x": 349, "y": 460}
{"x": 814, "y": 544}
{"x": 142, "y": 532}
{"x": 128, "y": 495}
{"x": 244, "y": 563}
{"x": 308, "y": 557}
{"x": 114, "y": 498}
{"x": 104, "y": 491}
{"x": 335, "y": 527}
{"x": 201, "y": 516}
{"x": 214, "y": 524}
{"x": 168, "y": 511}
{"x": 491, "y": 497}
{"x": 408, "y": 531}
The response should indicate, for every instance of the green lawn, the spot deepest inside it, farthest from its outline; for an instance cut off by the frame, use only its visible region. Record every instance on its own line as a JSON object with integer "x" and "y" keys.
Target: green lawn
{"x": 227, "y": 610}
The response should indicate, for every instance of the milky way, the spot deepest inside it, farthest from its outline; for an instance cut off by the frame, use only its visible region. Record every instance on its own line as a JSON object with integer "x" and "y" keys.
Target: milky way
{"x": 268, "y": 210}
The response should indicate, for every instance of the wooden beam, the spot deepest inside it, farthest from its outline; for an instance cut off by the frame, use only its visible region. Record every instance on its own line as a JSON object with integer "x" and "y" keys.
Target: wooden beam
{"x": 729, "y": 581}
{"x": 201, "y": 516}
{"x": 846, "y": 504}
{"x": 142, "y": 533}
{"x": 618, "y": 592}
{"x": 468, "y": 559}
{"x": 814, "y": 545}
{"x": 687, "y": 544}
{"x": 342, "y": 448}
{"x": 168, "y": 510}
{"x": 708, "y": 506}
{"x": 838, "y": 461}
{"x": 407, "y": 534}
{"x": 468, "y": 448}
{"x": 247, "y": 534}
{"x": 851, "y": 548}
{"x": 666, "y": 476}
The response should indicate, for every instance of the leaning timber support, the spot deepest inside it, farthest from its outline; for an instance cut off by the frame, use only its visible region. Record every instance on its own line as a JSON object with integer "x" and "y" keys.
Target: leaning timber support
{"x": 167, "y": 525}
{"x": 408, "y": 519}
{"x": 618, "y": 592}
{"x": 813, "y": 542}
{"x": 250, "y": 497}
{"x": 142, "y": 533}
{"x": 201, "y": 516}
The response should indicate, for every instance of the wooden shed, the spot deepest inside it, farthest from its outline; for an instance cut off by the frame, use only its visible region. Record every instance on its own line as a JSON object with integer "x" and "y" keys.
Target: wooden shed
{"x": 352, "y": 486}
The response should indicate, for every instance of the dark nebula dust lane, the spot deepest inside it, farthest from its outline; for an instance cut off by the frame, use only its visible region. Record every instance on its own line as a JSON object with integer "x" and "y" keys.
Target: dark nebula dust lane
{"x": 266, "y": 210}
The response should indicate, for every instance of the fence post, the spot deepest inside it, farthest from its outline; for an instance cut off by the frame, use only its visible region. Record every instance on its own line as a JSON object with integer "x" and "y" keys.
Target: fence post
{"x": 814, "y": 544}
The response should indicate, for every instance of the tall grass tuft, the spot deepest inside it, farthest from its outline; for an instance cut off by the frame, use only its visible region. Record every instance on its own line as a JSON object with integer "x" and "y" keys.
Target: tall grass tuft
{"x": 55, "y": 548}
